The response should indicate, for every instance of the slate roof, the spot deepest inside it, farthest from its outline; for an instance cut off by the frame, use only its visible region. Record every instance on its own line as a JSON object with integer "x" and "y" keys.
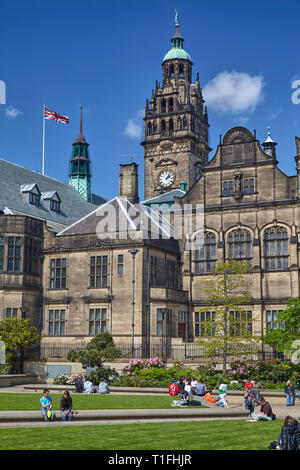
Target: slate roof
{"x": 165, "y": 197}
{"x": 119, "y": 215}
{"x": 73, "y": 206}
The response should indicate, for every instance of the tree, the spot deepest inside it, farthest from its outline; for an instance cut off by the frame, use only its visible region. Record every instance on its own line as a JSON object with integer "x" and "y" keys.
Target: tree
{"x": 100, "y": 349}
{"x": 288, "y": 328}
{"x": 17, "y": 334}
{"x": 227, "y": 329}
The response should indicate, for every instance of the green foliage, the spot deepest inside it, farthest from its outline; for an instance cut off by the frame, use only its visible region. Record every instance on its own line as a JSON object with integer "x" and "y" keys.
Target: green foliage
{"x": 100, "y": 349}
{"x": 17, "y": 334}
{"x": 4, "y": 369}
{"x": 224, "y": 333}
{"x": 102, "y": 373}
{"x": 282, "y": 338}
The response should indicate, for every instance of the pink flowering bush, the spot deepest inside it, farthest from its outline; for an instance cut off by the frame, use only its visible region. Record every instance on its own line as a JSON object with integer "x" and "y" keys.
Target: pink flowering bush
{"x": 136, "y": 365}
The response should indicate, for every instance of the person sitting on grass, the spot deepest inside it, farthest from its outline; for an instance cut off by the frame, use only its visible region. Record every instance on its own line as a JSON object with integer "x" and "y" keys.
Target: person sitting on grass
{"x": 103, "y": 387}
{"x": 289, "y": 437}
{"x": 200, "y": 388}
{"x": 210, "y": 399}
{"x": 88, "y": 386}
{"x": 266, "y": 413}
{"x": 46, "y": 404}
{"x": 66, "y": 406}
{"x": 184, "y": 401}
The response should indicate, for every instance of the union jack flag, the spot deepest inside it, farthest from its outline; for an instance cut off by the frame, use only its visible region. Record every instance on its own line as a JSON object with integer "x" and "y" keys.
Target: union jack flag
{"x": 58, "y": 117}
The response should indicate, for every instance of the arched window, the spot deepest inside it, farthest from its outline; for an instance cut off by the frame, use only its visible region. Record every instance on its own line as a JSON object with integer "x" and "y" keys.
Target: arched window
{"x": 171, "y": 125}
{"x": 172, "y": 74}
{"x": 184, "y": 124}
{"x": 163, "y": 126}
{"x": 180, "y": 71}
{"x": 276, "y": 248}
{"x": 239, "y": 245}
{"x": 163, "y": 106}
{"x": 154, "y": 128}
{"x": 206, "y": 255}
{"x": 170, "y": 105}
{"x": 149, "y": 129}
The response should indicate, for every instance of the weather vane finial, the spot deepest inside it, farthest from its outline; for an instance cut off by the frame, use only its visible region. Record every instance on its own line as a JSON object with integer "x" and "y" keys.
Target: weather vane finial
{"x": 176, "y": 18}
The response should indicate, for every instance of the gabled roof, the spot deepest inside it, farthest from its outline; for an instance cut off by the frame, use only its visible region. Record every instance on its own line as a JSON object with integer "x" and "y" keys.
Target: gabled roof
{"x": 72, "y": 208}
{"x": 119, "y": 216}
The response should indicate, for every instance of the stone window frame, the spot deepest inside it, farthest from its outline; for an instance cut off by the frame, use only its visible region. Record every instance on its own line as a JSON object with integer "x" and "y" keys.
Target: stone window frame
{"x": 11, "y": 312}
{"x": 160, "y": 322}
{"x": 14, "y": 254}
{"x": 57, "y": 322}
{"x": 200, "y": 320}
{"x": 58, "y": 273}
{"x": 276, "y": 255}
{"x": 237, "y": 248}
{"x": 229, "y": 190}
{"x": 247, "y": 314}
{"x": 97, "y": 320}
{"x": 98, "y": 271}
{"x": 207, "y": 254}
{"x": 120, "y": 264}
{"x": 249, "y": 187}
{"x": 271, "y": 318}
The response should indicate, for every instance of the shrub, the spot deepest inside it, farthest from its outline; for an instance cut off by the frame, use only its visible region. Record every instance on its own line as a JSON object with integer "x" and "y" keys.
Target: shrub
{"x": 102, "y": 373}
{"x": 5, "y": 369}
{"x": 60, "y": 380}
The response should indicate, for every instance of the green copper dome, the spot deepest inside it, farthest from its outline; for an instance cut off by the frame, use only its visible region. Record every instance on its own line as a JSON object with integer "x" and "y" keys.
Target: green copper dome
{"x": 176, "y": 53}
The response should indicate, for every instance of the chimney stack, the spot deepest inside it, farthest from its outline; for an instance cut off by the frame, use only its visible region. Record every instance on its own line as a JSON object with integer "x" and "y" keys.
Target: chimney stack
{"x": 129, "y": 182}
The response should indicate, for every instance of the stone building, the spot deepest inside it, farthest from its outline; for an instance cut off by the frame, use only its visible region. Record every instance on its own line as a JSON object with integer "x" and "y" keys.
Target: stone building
{"x": 76, "y": 264}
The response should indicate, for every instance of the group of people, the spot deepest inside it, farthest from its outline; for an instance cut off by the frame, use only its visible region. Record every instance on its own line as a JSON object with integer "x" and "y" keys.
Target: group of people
{"x": 66, "y": 411}
{"x": 65, "y": 406}
{"x": 186, "y": 388}
{"x": 83, "y": 384}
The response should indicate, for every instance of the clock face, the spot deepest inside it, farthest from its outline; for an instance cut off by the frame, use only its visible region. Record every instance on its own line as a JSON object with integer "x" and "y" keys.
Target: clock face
{"x": 166, "y": 178}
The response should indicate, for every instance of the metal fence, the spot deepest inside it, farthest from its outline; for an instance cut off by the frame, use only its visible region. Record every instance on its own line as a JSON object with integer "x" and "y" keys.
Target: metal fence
{"x": 164, "y": 351}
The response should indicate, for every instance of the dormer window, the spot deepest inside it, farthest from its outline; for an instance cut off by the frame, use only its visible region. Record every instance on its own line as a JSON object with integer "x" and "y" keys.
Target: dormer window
{"x": 54, "y": 205}
{"x": 34, "y": 199}
{"x": 51, "y": 200}
{"x": 31, "y": 193}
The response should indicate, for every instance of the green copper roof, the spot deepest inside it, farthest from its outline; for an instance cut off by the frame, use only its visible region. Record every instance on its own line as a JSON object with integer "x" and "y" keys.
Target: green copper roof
{"x": 176, "y": 53}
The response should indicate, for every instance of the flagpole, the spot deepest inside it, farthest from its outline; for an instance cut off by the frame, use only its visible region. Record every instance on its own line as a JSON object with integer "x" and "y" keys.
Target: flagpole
{"x": 43, "y": 162}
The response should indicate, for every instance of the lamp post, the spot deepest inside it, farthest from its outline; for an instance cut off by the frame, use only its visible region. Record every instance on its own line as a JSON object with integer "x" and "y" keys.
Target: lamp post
{"x": 133, "y": 254}
{"x": 163, "y": 312}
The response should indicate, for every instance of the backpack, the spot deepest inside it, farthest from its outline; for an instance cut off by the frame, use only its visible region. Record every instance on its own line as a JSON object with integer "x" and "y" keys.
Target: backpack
{"x": 273, "y": 445}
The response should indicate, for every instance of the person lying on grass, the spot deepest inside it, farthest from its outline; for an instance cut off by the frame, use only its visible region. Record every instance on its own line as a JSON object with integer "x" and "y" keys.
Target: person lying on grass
{"x": 210, "y": 399}
{"x": 46, "y": 404}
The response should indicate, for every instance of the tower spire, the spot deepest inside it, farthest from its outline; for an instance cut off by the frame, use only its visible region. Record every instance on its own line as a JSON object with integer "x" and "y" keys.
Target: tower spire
{"x": 80, "y": 174}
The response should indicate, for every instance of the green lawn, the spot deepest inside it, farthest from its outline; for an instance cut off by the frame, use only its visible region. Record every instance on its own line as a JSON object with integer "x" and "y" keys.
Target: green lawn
{"x": 31, "y": 401}
{"x": 212, "y": 435}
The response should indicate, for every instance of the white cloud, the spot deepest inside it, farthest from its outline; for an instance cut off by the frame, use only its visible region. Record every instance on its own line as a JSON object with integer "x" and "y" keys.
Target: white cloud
{"x": 234, "y": 92}
{"x": 134, "y": 126}
{"x": 11, "y": 112}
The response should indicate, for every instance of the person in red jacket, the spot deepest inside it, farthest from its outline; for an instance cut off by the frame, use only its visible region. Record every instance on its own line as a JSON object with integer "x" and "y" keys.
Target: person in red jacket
{"x": 248, "y": 385}
{"x": 173, "y": 389}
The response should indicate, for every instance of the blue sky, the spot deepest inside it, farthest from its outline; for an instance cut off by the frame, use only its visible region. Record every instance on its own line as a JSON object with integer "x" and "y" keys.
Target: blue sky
{"x": 107, "y": 56}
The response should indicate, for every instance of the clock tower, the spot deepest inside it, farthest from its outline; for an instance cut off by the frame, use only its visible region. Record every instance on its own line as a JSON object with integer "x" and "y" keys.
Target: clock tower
{"x": 176, "y": 125}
